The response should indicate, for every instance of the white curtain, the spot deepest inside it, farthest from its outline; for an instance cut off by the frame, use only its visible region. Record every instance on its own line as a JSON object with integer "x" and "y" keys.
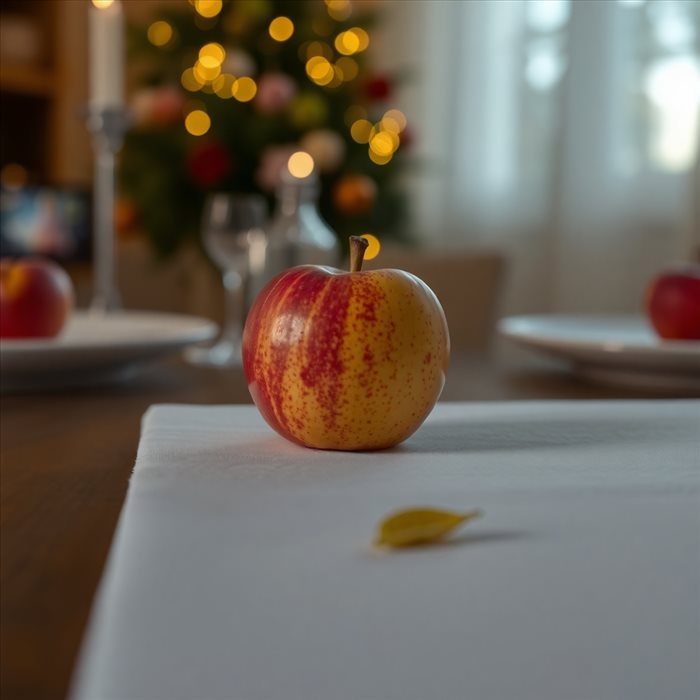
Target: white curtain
{"x": 564, "y": 133}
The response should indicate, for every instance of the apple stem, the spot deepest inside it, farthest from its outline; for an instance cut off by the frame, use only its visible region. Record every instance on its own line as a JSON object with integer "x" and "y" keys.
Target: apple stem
{"x": 358, "y": 246}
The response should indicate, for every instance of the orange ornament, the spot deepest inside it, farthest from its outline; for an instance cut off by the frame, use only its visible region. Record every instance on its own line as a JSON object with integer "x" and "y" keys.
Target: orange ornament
{"x": 125, "y": 216}
{"x": 354, "y": 194}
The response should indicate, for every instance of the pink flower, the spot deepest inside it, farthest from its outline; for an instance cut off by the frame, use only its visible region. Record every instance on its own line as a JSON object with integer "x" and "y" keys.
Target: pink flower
{"x": 275, "y": 92}
{"x": 167, "y": 108}
{"x": 159, "y": 106}
{"x": 272, "y": 162}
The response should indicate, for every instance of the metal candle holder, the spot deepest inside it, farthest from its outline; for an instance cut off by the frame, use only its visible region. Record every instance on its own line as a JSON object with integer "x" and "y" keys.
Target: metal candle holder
{"x": 107, "y": 126}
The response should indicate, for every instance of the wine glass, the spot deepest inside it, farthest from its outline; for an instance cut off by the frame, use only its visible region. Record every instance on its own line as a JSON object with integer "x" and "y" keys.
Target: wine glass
{"x": 232, "y": 234}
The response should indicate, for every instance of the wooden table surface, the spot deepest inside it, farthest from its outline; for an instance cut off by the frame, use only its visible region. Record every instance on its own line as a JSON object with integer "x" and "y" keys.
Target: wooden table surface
{"x": 65, "y": 461}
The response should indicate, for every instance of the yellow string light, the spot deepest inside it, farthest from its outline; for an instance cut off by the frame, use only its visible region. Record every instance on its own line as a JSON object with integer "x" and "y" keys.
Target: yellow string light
{"x": 208, "y": 8}
{"x": 320, "y": 70}
{"x": 327, "y": 79}
{"x": 338, "y": 74}
{"x": 159, "y": 33}
{"x": 197, "y": 122}
{"x": 348, "y": 68}
{"x": 382, "y": 143}
{"x": 347, "y": 43}
{"x": 212, "y": 55}
{"x": 281, "y": 28}
{"x": 339, "y": 9}
{"x": 362, "y": 37}
{"x": 300, "y": 164}
{"x": 336, "y": 78}
{"x": 244, "y": 89}
{"x": 190, "y": 81}
{"x": 361, "y": 131}
{"x": 206, "y": 74}
{"x": 374, "y": 246}
{"x": 318, "y": 48}
{"x": 223, "y": 86}
{"x": 102, "y": 4}
{"x": 387, "y": 137}
{"x": 393, "y": 120}
{"x": 379, "y": 160}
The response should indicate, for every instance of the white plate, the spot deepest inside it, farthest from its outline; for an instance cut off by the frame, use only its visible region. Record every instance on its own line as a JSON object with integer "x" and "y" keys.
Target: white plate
{"x": 617, "y": 349}
{"x": 97, "y": 347}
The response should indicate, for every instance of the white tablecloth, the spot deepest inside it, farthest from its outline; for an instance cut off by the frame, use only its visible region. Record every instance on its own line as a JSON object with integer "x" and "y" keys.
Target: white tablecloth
{"x": 242, "y": 567}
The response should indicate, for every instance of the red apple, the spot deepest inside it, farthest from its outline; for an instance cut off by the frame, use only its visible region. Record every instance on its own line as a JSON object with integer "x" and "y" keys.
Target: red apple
{"x": 345, "y": 360}
{"x": 673, "y": 303}
{"x": 36, "y": 298}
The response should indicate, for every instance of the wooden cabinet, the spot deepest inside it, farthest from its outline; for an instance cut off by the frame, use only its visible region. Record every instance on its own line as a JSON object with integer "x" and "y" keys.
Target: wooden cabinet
{"x": 43, "y": 96}
{"x": 43, "y": 89}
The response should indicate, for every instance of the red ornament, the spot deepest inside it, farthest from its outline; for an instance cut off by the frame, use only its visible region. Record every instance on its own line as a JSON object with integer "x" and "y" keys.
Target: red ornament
{"x": 378, "y": 88}
{"x": 407, "y": 138}
{"x": 208, "y": 164}
{"x": 354, "y": 194}
{"x": 126, "y": 216}
{"x": 167, "y": 106}
{"x": 275, "y": 92}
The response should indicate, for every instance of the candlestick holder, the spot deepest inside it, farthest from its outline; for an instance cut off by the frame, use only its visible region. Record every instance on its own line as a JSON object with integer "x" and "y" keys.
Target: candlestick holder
{"x": 107, "y": 126}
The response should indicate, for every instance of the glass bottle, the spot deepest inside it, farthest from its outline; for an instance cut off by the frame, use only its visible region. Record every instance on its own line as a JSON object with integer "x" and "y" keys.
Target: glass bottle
{"x": 295, "y": 235}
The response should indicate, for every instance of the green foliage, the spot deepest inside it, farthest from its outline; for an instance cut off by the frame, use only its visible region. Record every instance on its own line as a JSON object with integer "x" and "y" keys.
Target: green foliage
{"x": 160, "y": 174}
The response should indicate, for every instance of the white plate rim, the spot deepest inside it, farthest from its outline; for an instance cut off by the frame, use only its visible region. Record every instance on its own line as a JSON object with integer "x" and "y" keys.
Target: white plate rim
{"x": 516, "y": 328}
{"x": 195, "y": 329}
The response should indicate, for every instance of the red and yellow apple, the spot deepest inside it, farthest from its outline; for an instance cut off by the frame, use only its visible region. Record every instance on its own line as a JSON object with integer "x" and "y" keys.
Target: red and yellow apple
{"x": 673, "y": 303}
{"x": 345, "y": 360}
{"x": 36, "y": 298}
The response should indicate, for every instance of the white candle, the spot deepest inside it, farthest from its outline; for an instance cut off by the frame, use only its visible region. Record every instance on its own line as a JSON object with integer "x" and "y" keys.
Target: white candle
{"x": 107, "y": 55}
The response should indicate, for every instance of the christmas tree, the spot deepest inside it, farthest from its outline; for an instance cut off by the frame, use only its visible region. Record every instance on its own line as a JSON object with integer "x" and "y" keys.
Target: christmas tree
{"x": 229, "y": 90}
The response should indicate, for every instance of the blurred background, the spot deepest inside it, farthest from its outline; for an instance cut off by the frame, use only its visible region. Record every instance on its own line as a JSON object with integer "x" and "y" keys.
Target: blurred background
{"x": 525, "y": 155}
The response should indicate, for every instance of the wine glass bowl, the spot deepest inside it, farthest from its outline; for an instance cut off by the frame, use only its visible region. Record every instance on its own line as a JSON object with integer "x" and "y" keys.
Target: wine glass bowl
{"x": 232, "y": 232}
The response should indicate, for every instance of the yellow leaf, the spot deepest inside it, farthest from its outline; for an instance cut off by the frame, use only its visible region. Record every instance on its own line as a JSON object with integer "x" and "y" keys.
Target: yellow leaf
{"x": 420, "y": 526}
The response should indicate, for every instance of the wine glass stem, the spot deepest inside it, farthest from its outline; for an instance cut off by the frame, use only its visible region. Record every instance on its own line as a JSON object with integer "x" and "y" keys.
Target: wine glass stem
{"x": 233, "y": 307}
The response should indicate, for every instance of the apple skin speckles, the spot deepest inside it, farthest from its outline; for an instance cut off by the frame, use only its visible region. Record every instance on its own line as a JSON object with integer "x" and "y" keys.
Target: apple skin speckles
{"x": 345, "y": 360}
